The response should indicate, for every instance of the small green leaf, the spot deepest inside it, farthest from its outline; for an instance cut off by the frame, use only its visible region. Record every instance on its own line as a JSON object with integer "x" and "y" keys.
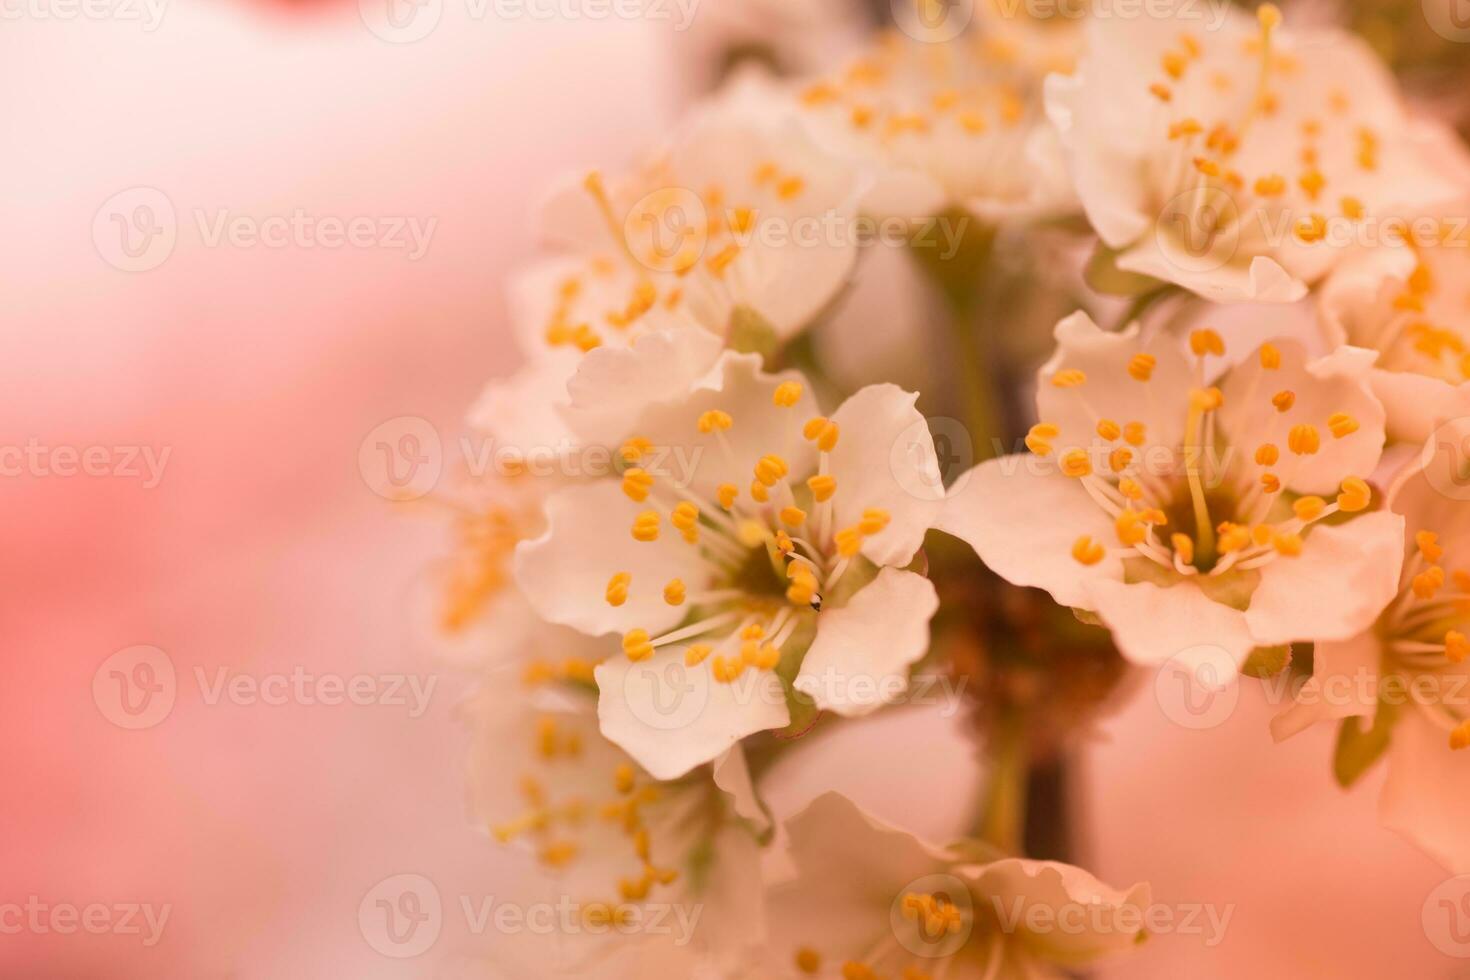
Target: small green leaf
{"x": 1102, "y": 274}
{"x": 751, "y": 333}
{"x": 1357, "y": 749}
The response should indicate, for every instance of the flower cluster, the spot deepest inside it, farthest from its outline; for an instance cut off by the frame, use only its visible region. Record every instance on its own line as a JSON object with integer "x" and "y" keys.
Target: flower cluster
{"x": 783, "y": 544}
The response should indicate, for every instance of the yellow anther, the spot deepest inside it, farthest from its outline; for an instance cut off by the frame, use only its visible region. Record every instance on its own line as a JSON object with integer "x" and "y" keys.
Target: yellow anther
{"x": 1421, "y": 280}
{"x": 754, "y": 631}
{"x": 685, "y": 515}
{"x": 617, "y": 588}
{"x": 1076, "y": 463}
{"x": 1205, "y": 399}
{"x": 790, "y": 187}
{"x": 1087, "y": 551}
{"x": 787, "y": 394}
{"x": 1269, "y": 16}
{"x": 1190, "y": 44}
{"x": 1131, "y": 489}
{"x": 637, "y": 645}
{"x": 1289, "y": 545}
{"x": 714, "y": 420}
{"x": 1428, "y": 582}
{"x": 822, "y": 487}
{"x": 1270, "y": 482}
{"x": 1134, "y": 433}
{"x": 1109, "y": 429}
{"x": 769, "y": 469}
{"x": 1069, "y": 378}
{"x": 1119, "y": 459}
{"x": 1460, "y": 736}
{"x": 758, "y": 492}
{"x": 1038, "y": 439}
{"x": 1312, "y": 228}
{"x": 1270, "y": 186}
{"x": 1342, "y": 424}
{"x": 1174, "y": 64}
{"x": 1267, "y": 454}
{"x": 633, "y": 449}
{"x": 726, "y": 669}
{"x": 1270, "y": 357}
{"x": 1283, "y": 400}
{"x": 1183, "y": 546}
{"x": 1207, "y": 166}
{"x": 793, "y": 516}
{"x": 808, "y": 960}
{"x": 822, "y": 431}
{"x": 1312, "y": 183}
{"x": 1429, "y": 546}
{"x": 726, "y": 493}
{"x": 694, "y": 656}
{"x": 1352, "y": 208}
{"x": 624, "y": 778}
{"x": 1184, "y": 128}
{"x": 1261, "y": 534}
{"x": 636, "y": 484}
{"x": 784, "y": 543}
{"x": 1160, "y": 91}
{"x": 853, "y": 970}
{"x": 1355, "y": 496}
{"x": 558, "y": 854}
{"x": 849, "y": 541}
{"x": 1456, "y": 646}
{"x": 1309, "y": 508}
{"x": 875, "y": 519}
{"x": 645, "y": 526}
{"x": 1232, "y": 537}
{"x": 1303, "y": 439}
{"x": 1130, "y": 529}
{"x": 675, "y": 593}
{"x": 1206, "y": 341}
{"x": 1141, "y": 366}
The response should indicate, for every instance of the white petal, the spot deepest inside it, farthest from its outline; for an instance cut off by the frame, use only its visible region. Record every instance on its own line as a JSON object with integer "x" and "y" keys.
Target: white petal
{"x": 1340, "y": 670}
{"x": 672, "y": 718}
{"x": 732, "y": 774}
{"x": 522, "y": 412}
{"x": 1016, "y": 885}
{"x": 1110, "y": 392}
{"x": 885, "y": 459}
{"x": 1322, "y": 388}
{"x": 1152, "y": 625}
{"x": 588, "y": 539}
{"x": 1416, "y": 404}
{"x": 1428, "y": 791}
{"x": 1023, "y": 523}
{"x": 860, "y": 658}
{"x": 613, "y": 385}
{"x": 1344, "y": 577}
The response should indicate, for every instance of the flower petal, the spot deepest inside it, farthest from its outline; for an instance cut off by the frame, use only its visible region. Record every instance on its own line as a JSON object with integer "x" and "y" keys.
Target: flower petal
{"x": 1091, "y": 919}
{"x": 588, "y": 539}
{"x": 1344, "y": 577}
{"x": 1152, "y": 625}
{"x": 1339, "y": 670}
{"x": 1427, "y": 793}
{"x": 672, "y": 718}
{"x": 860, "y": 658}
{"x": 1023, "y": 521}
{"x": 613, "y": 385}
{"x": 885, "y": 459}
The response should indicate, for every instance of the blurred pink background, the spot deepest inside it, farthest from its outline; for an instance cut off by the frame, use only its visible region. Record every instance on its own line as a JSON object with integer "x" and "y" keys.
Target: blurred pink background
{"x": 262, "y": 549}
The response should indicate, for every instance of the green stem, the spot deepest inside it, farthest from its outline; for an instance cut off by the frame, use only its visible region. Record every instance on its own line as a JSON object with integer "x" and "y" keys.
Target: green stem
{"x": 1003, "y": 817}
{"x": 977, "y": 384}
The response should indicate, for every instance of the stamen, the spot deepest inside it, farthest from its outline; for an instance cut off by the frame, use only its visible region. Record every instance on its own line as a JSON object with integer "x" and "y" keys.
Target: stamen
{"x": 1270, "y": 357}
{"x": 617, "y": 588}
{"x": 1038, "y": 439}
{"x": 1203, "y": 342}
{"x": 1141, "y": 366}
{"x": 645, "y": 526}
{"x": 822, "y": 487}
{"x": 793, "y": 516}
{"x": 1355, "y": 496}
{"x": 823, "y": 432}
{"x": 1456, "y": 646}
{"x": 694, "y": 656}
{"x": 1303, "y": 439}
{"x": 637, "y": 645}
{"x": 1069, "y": 378}
{"x": 1341, "y": 424}
{"x": 1087, "y": 551}
{"x": 1108, "y": 429}
{"x": 787, "y": 394}
{"x": 633, "y": 449}
{"x": 1283, "y": 400}
{"x": 674, "y": 592}
{"x": 1075, "y": 463}
{"x": 726, "y": 494}
{"x": 714, "y": 420}
{"x": 636, "y": 484}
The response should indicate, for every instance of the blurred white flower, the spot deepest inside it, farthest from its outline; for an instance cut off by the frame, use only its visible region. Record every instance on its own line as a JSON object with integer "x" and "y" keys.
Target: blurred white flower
{"x": 745, "y": 527}
{"x": 872, "y": 901}
{"x": 1407, "y": 671}
{"x": 1187, "y": 515}
{"x": 1236, "y": 158}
